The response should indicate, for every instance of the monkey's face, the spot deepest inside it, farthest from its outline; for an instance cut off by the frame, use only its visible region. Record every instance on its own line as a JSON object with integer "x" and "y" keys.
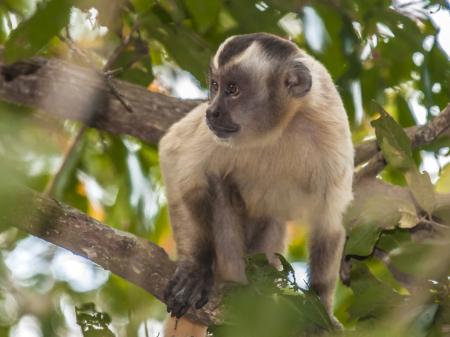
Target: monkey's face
{"x": 247, "y": 105}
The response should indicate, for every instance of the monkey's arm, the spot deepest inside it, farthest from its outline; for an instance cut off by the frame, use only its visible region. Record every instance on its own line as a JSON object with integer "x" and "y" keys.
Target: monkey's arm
{"x": 183, "y": 151}
{"x": 193, "y": 278}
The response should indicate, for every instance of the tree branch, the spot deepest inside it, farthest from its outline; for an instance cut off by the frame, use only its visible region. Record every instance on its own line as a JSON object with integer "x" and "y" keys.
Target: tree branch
{"x": 135, "y": 259}
{"x": 420, "y": 136}
{"x": 72, "y": 92}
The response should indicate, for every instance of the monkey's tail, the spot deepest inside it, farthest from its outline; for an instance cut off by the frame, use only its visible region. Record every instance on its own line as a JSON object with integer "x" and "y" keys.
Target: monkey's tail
{"x": 182, "y": 327}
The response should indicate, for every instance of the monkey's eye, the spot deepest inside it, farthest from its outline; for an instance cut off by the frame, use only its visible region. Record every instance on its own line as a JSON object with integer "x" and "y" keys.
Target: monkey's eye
{"x": 232, "y": 89}
{"x": 214, "y": 86}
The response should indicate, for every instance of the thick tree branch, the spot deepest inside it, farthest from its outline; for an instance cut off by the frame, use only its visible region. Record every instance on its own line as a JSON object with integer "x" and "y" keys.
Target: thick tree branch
{"x": 135, "y": 259}
{"x": 72, "y": 92}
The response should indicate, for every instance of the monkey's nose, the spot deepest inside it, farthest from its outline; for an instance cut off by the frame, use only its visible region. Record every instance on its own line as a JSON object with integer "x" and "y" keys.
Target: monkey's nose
{"x": 213, "y": 113}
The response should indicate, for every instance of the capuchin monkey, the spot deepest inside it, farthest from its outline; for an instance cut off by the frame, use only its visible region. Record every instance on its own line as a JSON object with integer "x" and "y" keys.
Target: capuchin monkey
{"x": 271, "y": 145}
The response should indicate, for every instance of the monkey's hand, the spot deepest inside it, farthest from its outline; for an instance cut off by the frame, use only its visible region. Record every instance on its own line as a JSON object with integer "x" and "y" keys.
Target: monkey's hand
{"x": 189, "y": 287}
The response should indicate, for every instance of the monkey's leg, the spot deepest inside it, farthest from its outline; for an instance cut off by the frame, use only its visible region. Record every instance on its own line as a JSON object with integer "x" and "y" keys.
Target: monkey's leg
{"x": 192, "y": 281}
{"x": 326, "y": 246}
{"x": 228, "y": 219}
{"x": 266, "y": 236}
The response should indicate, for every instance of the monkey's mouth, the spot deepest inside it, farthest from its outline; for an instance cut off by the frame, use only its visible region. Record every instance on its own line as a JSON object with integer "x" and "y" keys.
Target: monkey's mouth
{"x": 222, "y": 131}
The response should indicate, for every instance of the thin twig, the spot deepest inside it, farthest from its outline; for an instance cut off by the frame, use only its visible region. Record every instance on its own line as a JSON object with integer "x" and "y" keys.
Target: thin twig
{"x": 52, "y": 187}
{"x": 81, "y": 53}
{"x": 117, "y": 94}
{"x": 401, "y": 277}
{"x": 431, "y": 222}
{"x": 120, "y": 49}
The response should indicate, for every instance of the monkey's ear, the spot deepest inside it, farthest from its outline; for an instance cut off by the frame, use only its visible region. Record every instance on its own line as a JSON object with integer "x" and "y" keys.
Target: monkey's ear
{"x": 298, "y": 80}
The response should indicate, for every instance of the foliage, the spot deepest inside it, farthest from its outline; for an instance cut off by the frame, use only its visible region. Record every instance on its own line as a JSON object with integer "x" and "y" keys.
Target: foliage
{"x": 272, "y": 297}
{"x": 93, "y": 323}
{"x": 376, "y": 50}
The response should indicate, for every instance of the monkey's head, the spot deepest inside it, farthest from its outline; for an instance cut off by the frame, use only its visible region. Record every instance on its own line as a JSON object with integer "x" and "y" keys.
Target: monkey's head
{"x": 257, "y": 82}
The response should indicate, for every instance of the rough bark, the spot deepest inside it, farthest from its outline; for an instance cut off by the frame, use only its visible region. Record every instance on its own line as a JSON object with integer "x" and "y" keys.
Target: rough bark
{"x": 135, "y": 259}
{"x": 72, "y": 92}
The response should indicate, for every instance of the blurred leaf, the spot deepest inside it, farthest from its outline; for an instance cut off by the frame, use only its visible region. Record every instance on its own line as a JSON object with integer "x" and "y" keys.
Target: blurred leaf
{"x": 3, "y": 24}
{"x": 362, "y": 239}
{"x": 137, "y": 76}
{"x": 422, "y": 323}
{"x": 419, "y": 258}
{"x": 22, "y": 7}
{"x": 422, "y": 189}
{"x": 378, "y": 209}
{"x": 393, "y": 141}
{"x": 12, "y": 196}
{"x": 142, "y": 5}
{"x": 265, "y": 21}
{"x": 408, "y": 219}
{"x": 372, "y": 297}
{"x": 381, "y": 272}
{"x": 405, "y": 115}
{"x": 187, "y": 48}
{"x": 442, "y": 320}
{"x": 390, "y": 240}
{"x": 92, "y": 322}
{"x": 266, "y": 308}
{"x": 204, "y": 12}
{"x": 33, "y": 34}
{"x": 443, "y": 183}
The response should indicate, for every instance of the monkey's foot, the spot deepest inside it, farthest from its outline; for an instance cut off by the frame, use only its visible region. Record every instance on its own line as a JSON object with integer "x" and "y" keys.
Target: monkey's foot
{"x": 189, "y": 287}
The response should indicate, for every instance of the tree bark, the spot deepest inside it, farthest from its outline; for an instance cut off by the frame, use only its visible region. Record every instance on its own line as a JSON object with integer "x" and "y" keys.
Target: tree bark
{"x": 135, "y": 259}
{"x": 72, "y": 92}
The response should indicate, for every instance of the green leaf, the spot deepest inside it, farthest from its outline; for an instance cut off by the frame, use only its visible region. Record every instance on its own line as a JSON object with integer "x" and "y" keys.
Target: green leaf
{"x": 185, "y": 46}
{"x": 204, "y": 12}
{"x": 390, "y": 240}
{"x": 137, "y": 76}
{"x": 22, "y": 7}
{"x": 393, "y": 141}
{"x": 251, "y": 19}
{"x": 424, "y": 320}
{"x": 3, "y": 24}
{"x": 362, "y": 239}
{"x": 92, "y": 322}
{"x": 409, "y": 218}
{"x": 34, "y": 33}
{"x": 443, "y": 183}
{"x": 421, "y": 259}
{"x": 372, "y": 297}
{"x": 142, "y": 6}
{"x": 422, "y": 189}
{"x": 377, "y": 208}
